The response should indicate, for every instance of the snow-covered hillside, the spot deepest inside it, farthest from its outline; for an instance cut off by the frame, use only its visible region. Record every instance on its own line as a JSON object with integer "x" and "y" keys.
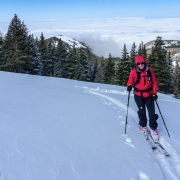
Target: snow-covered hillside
{"x": 71, "y": 41}
{"x": 167, "y": 43}
{"x": 68, "y": 42}
{"x": 60, "y": 129}
{"x": 176, "y": 57}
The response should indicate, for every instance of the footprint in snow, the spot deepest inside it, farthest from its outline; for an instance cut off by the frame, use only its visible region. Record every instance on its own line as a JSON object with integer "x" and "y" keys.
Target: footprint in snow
{"x": 128, "y": 141}
{"x": 142, "y": 176}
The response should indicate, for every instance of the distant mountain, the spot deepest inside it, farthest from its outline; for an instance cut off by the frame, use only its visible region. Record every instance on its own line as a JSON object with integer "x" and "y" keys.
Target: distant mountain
{"x": 68, "y": 42}
{"x": 167, "y": 43}
{"x": 171, "y": 45}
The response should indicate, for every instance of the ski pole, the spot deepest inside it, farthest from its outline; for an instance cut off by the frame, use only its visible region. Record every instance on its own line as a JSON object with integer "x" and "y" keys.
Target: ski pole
{"x": 127, "y": 111}
{"x": 162, "y": 118}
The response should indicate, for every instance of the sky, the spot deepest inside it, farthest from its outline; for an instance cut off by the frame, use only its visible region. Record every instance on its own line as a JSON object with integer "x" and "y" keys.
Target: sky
{"x": 104, "y": 25}
{"x": 62, "y": 129}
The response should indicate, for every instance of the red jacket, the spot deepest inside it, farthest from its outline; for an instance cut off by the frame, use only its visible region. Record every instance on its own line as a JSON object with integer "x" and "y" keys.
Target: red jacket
{"x": 143, "y": 84}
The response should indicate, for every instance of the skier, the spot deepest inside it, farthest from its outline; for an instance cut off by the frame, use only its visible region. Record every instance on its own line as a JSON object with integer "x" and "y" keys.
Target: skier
{"x": 143, "y": 79}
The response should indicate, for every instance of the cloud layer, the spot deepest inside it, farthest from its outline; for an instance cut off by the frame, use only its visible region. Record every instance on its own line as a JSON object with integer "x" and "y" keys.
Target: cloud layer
{"x": 108, "y": 35}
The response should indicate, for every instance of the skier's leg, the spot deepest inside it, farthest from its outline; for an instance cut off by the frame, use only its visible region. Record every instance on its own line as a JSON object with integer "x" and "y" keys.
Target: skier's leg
{"x": 142, "y": 111}
{"x": 151, "y": 111}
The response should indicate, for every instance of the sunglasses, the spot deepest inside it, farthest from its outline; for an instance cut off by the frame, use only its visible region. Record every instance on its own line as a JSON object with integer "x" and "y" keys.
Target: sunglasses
{"x": 140, "y": 63}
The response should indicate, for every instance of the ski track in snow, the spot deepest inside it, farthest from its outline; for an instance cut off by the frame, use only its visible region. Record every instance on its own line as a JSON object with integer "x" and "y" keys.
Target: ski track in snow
{"x": 1, "y": 175}
{"x": 170, "y": 166}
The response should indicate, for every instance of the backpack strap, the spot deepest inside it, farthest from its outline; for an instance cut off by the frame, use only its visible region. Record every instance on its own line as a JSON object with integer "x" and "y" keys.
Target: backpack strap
{"x": 138, "y": 77}
{"x": 149, "y": 76}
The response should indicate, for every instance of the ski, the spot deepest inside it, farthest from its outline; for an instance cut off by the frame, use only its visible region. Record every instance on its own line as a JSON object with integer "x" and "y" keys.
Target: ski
{"x": 162, "y": 149}
{"x": 153, "y": 146}
{"x": 159, "y": 146}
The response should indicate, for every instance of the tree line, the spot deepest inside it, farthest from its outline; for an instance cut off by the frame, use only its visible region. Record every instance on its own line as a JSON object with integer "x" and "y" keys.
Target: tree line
{"x": 22, "y": 53}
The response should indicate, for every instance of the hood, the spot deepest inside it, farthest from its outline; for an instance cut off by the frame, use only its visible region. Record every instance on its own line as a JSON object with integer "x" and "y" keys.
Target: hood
{"x": 140, "y": 59}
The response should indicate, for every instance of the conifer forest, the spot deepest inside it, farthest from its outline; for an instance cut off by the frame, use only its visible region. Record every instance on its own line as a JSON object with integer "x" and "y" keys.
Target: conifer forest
{"x": 20, "y": 52}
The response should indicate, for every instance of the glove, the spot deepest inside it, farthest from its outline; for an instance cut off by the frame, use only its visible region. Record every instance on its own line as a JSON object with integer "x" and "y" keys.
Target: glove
{"x": 155, "y": 97}
{"x": 129, "y": 88}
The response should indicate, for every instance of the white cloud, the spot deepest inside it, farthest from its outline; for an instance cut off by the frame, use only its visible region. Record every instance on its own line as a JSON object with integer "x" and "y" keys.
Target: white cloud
{"x": 106, "y": 36}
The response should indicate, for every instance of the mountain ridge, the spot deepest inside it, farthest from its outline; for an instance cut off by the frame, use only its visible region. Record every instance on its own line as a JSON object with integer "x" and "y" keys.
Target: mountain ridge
{"x": 68, "y": 42}
{"x": 171, "y": 45}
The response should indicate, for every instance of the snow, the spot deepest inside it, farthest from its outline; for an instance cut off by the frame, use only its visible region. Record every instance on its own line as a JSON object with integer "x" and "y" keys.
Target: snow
{"x": 60, "y": 129}
{"x": 175, "y": 58}
{"x": 70, "y": 41}
{"x": 166, "y": 43}
{"x": 170, "y": 43}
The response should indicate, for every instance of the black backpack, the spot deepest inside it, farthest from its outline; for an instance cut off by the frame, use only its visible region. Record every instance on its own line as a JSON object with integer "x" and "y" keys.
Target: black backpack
{"x": 138, "y": 79}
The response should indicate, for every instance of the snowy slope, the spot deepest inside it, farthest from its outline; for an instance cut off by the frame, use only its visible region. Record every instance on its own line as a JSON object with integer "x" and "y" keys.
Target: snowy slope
{"x": 59, "y": 129}
{"x": 71, "y": 41}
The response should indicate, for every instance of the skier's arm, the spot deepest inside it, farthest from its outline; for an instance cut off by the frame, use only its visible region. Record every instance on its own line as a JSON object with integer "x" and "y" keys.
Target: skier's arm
{"x": 154, "y": 83}
{"x": 131, "y": 79}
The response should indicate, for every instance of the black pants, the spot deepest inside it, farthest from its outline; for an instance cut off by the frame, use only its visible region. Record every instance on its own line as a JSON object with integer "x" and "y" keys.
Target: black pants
{"x": 142, "y": 104}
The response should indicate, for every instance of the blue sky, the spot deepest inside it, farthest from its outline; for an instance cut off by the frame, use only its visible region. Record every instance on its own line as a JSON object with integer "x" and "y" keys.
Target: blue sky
{"x": 104, "y": 25}
{"x": 57, "y": 9}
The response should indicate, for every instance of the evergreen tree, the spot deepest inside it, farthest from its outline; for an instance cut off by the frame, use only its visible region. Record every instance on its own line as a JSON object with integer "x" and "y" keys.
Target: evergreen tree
{"x": 1, "y": 39}
{"x": 1, "y": 43}
{"x": 92, "y": 65}
{"x": 170, "y": 74}
{"x": 142, "y": 50}
{"x": 109, "y": 71}
{"x": 49, "y": 64}
{"x": 72, "y": 64}
{"x": 90, "y": 62}
{"x": 61, "y": 55}
{"x": 158, "y": 61}
{"x": 100, "y": 71}
{"x": 123, "y": 68}
{"x": 119, "y": 73}
{"x": 177, "y": 80}
{"x": 133, "y": 54}
{"x": 33, "y": 53}
{"x": 94, "y": 71}
{"x": 19, "y": 49}
{"x": 83, "y": 66}
{"x": 36, "y": 41}
{"x": 42, "y": 46}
